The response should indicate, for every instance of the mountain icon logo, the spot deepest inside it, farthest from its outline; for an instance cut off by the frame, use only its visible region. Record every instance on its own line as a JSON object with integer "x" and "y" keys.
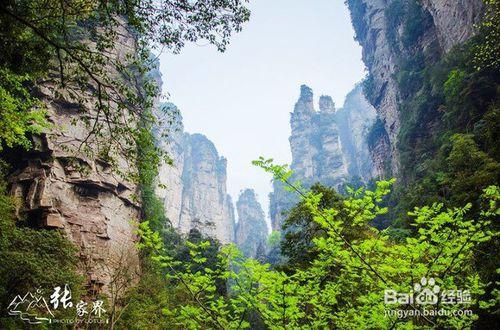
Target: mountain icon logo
{"x": 29, "y": 306}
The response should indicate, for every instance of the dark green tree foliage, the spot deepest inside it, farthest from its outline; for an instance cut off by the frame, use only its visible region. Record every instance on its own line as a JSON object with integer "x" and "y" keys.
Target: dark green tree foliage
{"x": 358, "y": 10}
{"x": 274, "y": 255}
{"x": 376, "y": 133}
{"x": 159, "y": 290}
{"x": 21, "y": 114}
{"x": 209, "y": 254}
{"x": 487, "y": 48}
{"x": 369, "y": 89}
{"x": 449, "y": 132}
{"x": 260, "y": 254}
{"x": 149, "y": 158}
{"x": 31, "y": 259}
{"x": 449, "y": 113}
{"x": 442, "y": 95}
{"x": 144, "y": 302}
{"x": 300, "y": 229}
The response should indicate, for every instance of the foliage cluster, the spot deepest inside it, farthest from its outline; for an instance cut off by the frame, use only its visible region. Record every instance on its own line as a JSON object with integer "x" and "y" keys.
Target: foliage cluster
{"x": 449, "y": 121}
{"x": 160, "y": 289}
{"x": 407, "y": 21}
{"x": 149, "y": 158}
{"x": 454, "y": 113}
{"x": 357, "y": 9}
{"x": 21, "y": 113}
{"x": 369, "y": 89}
{"x": 487, "y": 49}
{"x": 351, "y": 265}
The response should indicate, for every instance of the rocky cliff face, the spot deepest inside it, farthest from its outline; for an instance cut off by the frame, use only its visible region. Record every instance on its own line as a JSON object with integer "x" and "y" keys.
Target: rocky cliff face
{"x": 170, "y": 135}
{"x": 193, "y": 187}
{"x": 61, "y": 187}
{"x": 315, "y": 141}
{"x": 205, "y": 202}
{"x": 355, "y": 120}
{"x": 393, "y": 31}
{"x": 370, "y": 26}
{"x": 328, "y": 146}
{"x": 454, "y": 20}
{"x": 251, "y": 229}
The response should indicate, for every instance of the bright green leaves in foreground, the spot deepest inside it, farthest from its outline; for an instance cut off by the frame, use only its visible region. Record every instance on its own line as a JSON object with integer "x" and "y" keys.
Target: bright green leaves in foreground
{"x": 20, "y": 113}
{"x": 343, "y": 287}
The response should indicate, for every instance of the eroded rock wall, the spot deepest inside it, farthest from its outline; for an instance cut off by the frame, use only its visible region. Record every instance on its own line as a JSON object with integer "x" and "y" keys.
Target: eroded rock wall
{"x": 328, "y": 146}
{"x": 193, "y": 187}
{"x": 371, "y": 32}
{"x": 83, "y": 194}
{"x": 170, "y": 136}
{"x": 355, "y": 120}
{"x": 394, "y": 32}
{"x": 454, "y": 19}
{"x": 205, "y": 202}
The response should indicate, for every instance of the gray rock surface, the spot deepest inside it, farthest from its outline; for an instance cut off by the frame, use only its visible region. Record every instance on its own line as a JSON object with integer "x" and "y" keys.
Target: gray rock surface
{"x": 193, "y": 187}
{"x": 446, "y": 23}
{"x": 328, "y": 146}
{"x": 251, "y": 229}
{"x": 454, "y": 19}
{"x": 355, "y": 120}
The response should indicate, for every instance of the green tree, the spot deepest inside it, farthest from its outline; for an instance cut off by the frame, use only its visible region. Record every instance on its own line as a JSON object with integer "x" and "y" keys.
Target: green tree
{"x": 21, "y": 113}
{"x": 343, "y": 287}
{"x": 486, "y": 51}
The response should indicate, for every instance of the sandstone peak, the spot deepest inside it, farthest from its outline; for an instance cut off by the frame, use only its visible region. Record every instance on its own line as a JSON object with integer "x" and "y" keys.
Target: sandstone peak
{"x": 306, "y": 93}
{"x": 195, "y": 193}
{"x": 326, "y": 103}
{"x": 251, "y": 229}
{"x": 328, "y": 146}
{"x": 247, "y": 193}
{"x": 305, "y": 103}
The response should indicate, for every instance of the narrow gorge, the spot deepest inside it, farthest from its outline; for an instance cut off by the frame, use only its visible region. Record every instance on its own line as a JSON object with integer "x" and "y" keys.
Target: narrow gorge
{"x": 116, "y": 212}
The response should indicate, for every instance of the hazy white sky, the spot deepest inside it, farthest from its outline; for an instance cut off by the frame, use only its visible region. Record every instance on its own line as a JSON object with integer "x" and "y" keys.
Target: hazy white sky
{"x": 242, "y": 99}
